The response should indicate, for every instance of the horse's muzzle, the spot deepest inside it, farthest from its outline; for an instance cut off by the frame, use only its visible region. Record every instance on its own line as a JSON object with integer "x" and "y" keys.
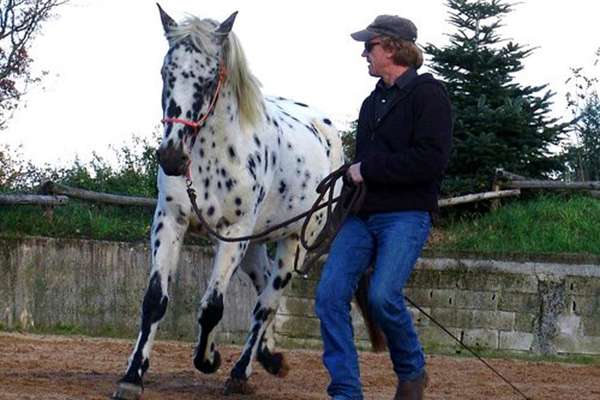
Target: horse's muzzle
{"x": 173, "y": 160}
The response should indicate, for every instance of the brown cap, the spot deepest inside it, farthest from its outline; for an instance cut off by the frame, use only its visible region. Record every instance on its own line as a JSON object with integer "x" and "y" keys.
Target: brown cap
{"x": 388, "y": 25}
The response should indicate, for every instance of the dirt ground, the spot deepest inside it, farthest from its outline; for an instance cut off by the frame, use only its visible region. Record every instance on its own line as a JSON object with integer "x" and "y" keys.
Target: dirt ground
{"x": 59, "y": 368}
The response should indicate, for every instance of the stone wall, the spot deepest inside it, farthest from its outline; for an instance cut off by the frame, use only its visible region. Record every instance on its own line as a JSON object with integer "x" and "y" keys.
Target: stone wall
{"x": 97, "y": 287}
{"x": 545, "y": 307}
{"x": 548, "y": 306}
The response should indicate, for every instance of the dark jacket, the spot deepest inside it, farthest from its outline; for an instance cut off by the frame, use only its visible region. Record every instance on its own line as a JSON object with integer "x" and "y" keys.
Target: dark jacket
{"x": 404, "y": 153}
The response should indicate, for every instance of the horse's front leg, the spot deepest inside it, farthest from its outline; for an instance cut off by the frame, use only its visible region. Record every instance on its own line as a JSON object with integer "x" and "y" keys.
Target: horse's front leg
{"x": 262, "y": 319}
{"x": 229, "y": 256}
{"x": 168, "y": 229}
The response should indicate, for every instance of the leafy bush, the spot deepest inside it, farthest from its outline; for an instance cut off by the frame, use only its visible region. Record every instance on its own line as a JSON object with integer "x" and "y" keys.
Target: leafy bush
{"x": 134, "y": 174}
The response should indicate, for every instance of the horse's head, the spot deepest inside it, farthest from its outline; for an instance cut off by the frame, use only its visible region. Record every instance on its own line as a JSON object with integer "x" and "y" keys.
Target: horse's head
{"x": 192, "y": 74}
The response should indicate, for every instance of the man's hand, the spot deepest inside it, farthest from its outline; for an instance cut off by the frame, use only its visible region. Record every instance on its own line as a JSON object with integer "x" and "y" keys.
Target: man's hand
{"x": 353, "y": 173}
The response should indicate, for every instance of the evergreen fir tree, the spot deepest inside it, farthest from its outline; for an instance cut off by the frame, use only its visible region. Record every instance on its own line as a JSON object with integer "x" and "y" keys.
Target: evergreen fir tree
{"x": 498, "y": 122}
{"x": 582, "y": 157}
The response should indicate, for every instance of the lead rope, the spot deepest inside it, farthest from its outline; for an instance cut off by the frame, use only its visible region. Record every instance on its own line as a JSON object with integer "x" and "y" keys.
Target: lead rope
{"x": 327, "y": 185}
{"x": 346, "y": 203}
{"x": 442, "y": 327}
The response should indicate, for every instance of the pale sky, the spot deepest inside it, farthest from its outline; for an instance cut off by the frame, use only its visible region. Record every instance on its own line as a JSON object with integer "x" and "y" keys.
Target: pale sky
{"x": 104, "y": 59}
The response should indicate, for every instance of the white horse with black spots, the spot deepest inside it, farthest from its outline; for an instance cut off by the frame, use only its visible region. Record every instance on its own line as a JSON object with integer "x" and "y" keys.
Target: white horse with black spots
{"x": 254, "y": 161}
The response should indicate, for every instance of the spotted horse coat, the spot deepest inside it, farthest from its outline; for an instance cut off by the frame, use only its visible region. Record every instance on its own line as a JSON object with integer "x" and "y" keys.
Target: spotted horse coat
{"x": 255, "y": 162}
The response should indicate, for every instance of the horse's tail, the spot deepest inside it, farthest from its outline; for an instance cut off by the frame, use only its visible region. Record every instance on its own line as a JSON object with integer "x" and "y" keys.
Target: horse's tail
{"x": 378, "y": 342}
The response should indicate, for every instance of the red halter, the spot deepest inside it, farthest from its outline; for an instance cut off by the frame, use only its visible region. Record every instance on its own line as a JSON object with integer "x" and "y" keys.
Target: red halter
{"x": 196, "y": 125}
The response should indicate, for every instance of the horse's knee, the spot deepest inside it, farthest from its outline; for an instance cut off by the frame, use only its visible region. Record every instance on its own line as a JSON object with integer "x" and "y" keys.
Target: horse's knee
{"x": 155, "y": 302}
{"x": 212, "y": 313}
{"x": 210, "y": 316}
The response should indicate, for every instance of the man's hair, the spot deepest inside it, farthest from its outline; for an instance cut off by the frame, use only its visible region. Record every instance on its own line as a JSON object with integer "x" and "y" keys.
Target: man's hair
{"x": 405, "y": 53}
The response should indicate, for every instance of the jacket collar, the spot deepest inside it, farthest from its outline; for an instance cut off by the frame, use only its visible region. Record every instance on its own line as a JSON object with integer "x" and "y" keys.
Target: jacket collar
{"x": 405, "y": 82}
{"x": 401, "y": 82}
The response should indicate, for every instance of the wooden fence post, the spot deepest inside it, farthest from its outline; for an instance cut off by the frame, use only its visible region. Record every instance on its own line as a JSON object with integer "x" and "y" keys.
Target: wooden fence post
{"x": 495, "y": 204}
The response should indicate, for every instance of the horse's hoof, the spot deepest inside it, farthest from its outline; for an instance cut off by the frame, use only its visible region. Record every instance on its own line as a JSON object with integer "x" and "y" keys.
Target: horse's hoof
{"x": 206, "y": 366}
{"x": 237, "y": 386}
{"x": 127, "y": 391}
{"x": 274, "y": 364}
{"x": 284, "y": 367}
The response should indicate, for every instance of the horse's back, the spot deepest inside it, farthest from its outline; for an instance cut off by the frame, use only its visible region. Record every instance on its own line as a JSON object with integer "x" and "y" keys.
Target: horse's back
{"x": 309, "y": 131}
{"x": 308, "y": 148}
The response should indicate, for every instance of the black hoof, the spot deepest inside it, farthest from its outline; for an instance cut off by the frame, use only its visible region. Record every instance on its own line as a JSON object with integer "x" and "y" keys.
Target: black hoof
{"x": 127, "y": 391}
{"x": 237, "y": 386}
{"x": 273, "y": 363}
{"x": 206, "y": 366}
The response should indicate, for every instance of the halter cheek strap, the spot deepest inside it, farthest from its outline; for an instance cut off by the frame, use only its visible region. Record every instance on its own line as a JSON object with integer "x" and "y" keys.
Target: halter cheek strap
{"x": 196, "y": 125}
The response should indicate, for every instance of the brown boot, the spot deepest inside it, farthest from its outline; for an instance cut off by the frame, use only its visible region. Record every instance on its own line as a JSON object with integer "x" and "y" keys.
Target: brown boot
{"x": 412, "y": 390}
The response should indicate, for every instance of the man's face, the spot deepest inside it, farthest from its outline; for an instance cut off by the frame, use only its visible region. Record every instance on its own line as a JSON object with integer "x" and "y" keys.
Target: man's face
{"x": 379, "y": 58}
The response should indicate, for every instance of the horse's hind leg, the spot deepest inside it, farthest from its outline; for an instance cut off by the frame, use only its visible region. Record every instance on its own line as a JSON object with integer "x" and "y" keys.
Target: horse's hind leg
{"x": 263, "y": 314}
{"x": 257, "y": 265}
{"x": 167, "y": 235}
{"x": 273, "y": 362}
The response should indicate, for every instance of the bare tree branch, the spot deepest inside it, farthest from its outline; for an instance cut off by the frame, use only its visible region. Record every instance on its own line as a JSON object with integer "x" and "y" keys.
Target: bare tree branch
{"x": 20, "y": 20}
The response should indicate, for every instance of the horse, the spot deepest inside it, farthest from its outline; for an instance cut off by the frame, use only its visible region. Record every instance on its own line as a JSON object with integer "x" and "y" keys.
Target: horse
{"x": 254, "y": 160}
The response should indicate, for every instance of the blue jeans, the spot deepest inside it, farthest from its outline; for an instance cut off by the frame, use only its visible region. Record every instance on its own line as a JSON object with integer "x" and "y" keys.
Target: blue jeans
{"x": 392, "y": 242}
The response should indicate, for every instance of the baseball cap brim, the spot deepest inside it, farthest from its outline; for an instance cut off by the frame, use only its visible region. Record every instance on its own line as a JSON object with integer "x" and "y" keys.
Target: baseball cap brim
{"x": 364, "y": 35}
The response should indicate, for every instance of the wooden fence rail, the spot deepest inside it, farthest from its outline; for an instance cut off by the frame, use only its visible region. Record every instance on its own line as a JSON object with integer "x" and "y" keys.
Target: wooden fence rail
{"x": 57, "y": 188}
{"x": 513, "y": 182}
{"x": 67, "y": 191}
{"x": 471, "y": 198}
{"x": 32, "y": 199}
{"x": 535, "y": 184}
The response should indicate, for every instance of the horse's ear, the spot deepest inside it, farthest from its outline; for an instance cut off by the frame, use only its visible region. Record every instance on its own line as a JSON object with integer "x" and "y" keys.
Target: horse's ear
{"x": 167, "y": 22}
{"x": 226, "y": 25}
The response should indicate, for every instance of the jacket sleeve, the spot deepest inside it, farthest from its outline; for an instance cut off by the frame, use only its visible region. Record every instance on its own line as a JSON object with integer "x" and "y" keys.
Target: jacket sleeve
{"x": 426, "y": 159}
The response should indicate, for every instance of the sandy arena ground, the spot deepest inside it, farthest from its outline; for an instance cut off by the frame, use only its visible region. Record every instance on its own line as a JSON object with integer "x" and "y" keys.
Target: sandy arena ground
{"x": 59, "y": 368}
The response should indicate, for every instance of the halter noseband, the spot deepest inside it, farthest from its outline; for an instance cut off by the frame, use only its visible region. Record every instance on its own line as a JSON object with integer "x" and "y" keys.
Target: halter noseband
{"x": 196, "y": 125}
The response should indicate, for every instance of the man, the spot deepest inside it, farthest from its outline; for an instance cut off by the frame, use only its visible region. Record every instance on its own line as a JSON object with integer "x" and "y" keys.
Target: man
{"x": 402, "y": 149}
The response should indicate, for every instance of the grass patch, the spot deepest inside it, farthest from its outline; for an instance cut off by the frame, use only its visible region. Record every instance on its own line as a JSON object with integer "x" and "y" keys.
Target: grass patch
{"x": 77, "y": 220}
{"x": 545, "y": 224}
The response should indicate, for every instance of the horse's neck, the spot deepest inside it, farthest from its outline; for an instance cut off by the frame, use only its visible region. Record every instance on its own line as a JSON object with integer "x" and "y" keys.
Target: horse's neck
{"x": 226, "y": 117}
{"x": 222, "y": 138}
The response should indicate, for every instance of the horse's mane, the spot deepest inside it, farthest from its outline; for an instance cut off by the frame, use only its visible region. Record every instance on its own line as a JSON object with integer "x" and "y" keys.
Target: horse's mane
{"x": 244, "y": 84}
